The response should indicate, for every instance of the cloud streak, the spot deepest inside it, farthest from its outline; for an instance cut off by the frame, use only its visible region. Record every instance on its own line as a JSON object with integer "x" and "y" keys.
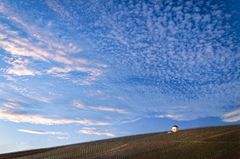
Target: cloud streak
{"x": 233, "y": 116}
{"x": 9, "y": 112}
{"x": 94, "y": 131}
{"x": 172, "y": 116}
{"x": 57, "y": 134}
{"x": 81, "y": 105}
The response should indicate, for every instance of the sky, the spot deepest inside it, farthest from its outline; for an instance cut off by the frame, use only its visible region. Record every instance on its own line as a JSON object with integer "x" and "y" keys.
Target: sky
{"x": 74, "y": 71}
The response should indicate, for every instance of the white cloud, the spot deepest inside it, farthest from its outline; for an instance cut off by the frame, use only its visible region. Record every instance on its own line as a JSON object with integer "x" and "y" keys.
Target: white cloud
{"x": 20, "y": 71}
{"x": 59, "y": 135}
{"x": 171, "y": 116}
{"x": 43, "y": 35}
{"x": 59, "y": 9}
{"x": 233, "y": 116}
{"x": 59, "y": 70}
{"x": 109, "y": 109}
{"x": 22, "y": 47}
{"x": 130, "y": 120}
{"x": 42, "y": 45}
{"x": 10, "y": 115}
{"x": 93, "y": 73}
{"x": 20, "y": 68}
{"x": 78, "y": 104}
{"x": 28, "y": 93}
{"x": 94, "y": 131}
{"x": 10, "y": 105}
{"x": 172, "y": 60}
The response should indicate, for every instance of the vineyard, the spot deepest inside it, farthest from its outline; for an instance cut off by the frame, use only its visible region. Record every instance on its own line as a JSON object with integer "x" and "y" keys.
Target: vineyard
{"x": 202, "y": 143}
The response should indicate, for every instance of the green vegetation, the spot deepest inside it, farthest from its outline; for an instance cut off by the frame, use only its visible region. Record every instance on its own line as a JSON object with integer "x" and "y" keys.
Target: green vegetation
{"x": 202, "y": 143}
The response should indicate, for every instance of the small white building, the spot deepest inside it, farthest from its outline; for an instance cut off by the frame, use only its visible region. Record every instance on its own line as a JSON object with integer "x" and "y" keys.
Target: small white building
{"x": 175, "y": 128}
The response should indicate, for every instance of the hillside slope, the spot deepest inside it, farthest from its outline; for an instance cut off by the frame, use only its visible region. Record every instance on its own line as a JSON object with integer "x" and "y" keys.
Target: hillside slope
{"x": 210, "y": 143}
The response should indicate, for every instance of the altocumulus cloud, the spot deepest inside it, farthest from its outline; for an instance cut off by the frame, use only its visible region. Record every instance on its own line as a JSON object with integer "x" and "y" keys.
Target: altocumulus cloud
{"x": 165, "y": 52}
{"x": 178, "y": 59}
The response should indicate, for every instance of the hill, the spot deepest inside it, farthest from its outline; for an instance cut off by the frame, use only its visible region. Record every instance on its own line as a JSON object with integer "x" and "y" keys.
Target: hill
{"x": 201, "y": 143}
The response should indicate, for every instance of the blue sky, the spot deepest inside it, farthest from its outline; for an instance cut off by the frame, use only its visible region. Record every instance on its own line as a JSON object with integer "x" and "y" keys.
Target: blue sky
{"x": 75, "y": 71}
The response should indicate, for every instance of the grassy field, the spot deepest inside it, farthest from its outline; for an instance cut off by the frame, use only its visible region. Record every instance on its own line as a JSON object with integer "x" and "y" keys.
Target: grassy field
{"x": 201, "y": 143}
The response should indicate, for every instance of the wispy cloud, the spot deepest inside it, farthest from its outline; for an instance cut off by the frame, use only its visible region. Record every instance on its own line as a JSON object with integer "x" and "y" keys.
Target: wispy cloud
{"x": 233, "y": 116}
{"x": 19, "y": 67}
{"x": 94, "y": 131}
{"x": 171, "y": 116}
{"x": 10, "y": 105}
{"x": 109, "y": 109}
{"x": 57, "y": 134}
{"x": 59, "y": 9}
{"x": 130, "y": 120}
{"x": 39, "y": 119}
{"x": 78, "y": 104}
{"x": 9, "y": 112}
{"x": 42, "y": 45}
{"x": 25, "y": 48}
{"x": 27, "y": 93}
{"x": 42, "y": 34}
